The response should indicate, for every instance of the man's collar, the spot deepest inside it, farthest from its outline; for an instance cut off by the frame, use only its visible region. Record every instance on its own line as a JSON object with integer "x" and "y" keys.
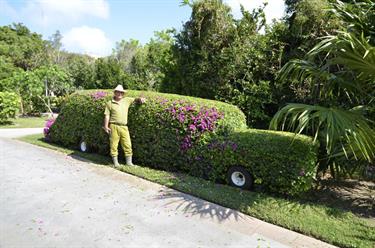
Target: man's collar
{"x": 114, "y": 101}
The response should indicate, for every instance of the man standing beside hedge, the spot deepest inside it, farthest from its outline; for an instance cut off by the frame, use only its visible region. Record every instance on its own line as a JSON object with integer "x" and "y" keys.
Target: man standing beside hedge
{"x": 115, "y": 124}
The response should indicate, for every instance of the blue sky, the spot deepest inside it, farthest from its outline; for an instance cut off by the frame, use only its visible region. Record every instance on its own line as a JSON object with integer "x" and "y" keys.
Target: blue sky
{"x": 94, "y": 26}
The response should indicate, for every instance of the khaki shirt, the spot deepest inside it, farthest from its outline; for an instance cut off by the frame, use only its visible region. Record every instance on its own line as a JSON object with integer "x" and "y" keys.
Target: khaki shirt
{"x": 118, "y": 111}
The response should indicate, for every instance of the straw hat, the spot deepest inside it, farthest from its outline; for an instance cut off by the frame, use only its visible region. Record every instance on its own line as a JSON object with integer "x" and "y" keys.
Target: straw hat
{"x": 120, "y": 88}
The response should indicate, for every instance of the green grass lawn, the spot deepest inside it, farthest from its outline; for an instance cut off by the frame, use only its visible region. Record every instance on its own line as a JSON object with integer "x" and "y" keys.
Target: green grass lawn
{"x": 25, "y": 122}
{"x": 335, "y": 226}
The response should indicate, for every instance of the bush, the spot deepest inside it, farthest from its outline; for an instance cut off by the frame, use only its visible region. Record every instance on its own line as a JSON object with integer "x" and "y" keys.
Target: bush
{"x": 279, "y": 161}
{"x": 81, "y": 118}
{"x": 9, "y": 105}
{"x": 179, "y": 133}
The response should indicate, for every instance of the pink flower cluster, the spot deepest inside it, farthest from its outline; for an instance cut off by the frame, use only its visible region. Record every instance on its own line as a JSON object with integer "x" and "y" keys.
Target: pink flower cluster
{"x": 193, "y": 121}
{"x": 222, "y": 145}
{"x": 47, "y": 126}
{"x": 98, "y": 95}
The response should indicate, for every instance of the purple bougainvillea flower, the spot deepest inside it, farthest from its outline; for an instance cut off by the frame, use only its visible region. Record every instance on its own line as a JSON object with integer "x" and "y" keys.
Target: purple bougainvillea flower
{"x": 186, "y": 143}
{"x": 192, "y": 127}
{"x": 181, "y": 118}
{"x": 47, "y": 126}
{"x": 234, "y": 146}
{"x": 189, "y": 122}
{"x": 98, "y": 95}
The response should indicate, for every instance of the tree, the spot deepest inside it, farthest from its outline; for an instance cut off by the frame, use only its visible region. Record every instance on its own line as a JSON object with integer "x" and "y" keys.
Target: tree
{"x": 108, "y": 73}
{"x": 55, "y": 47}
{"x": 124, "y": 53}
{"x": 221, "y": 58}
{"x": 152, "y": 63}
{"x": 307, "y": 20}
{"x": 56, "y": 80}
{"x": 21, "y": 47}
{"x": 198, "y": 47}
{"x": 299, "y": 31}
{"x": 348, "y": 70}
{"x": 249, "y": 66}
{"x": 33, "y": 86}
{"x": 81, "y": 68}
{"x": 7, "y": 68}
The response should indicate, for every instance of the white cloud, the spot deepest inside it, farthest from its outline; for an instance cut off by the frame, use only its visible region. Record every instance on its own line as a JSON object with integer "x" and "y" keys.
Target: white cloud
{"x": 274, "y": 10}
{"x": 49, "y": 12}
{"x": 87, "y": 40}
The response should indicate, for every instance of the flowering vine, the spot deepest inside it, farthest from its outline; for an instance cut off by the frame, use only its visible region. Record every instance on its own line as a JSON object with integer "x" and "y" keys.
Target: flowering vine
{"x": 47, "y": 126}
{"x": 191, "y": 121}
{"x": 98, "y": 95}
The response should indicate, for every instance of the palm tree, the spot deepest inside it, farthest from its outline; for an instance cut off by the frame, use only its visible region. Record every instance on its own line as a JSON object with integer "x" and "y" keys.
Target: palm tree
{"x": 346, "y": 70}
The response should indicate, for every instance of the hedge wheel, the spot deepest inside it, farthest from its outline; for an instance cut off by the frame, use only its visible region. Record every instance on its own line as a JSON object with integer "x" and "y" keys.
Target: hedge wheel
{"x": 239, "y": 177}
{"x": 83, "y": 147}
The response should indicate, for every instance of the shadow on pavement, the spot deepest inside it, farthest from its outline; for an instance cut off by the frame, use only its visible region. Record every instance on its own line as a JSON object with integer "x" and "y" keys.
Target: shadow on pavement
{"x": 194, "y": 206}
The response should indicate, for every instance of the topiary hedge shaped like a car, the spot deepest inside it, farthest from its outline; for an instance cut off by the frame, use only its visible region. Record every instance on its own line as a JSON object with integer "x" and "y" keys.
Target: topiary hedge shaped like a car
{"x": 201, "y": 137}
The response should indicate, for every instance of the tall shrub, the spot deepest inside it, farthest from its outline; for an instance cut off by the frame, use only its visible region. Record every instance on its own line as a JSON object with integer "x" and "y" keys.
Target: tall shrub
{"x": 9, "y": 105}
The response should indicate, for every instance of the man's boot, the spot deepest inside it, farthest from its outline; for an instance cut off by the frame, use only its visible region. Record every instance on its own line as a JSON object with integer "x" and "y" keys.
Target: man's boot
{"x": 129, "y": 160}
{"x": 115, "y": 162}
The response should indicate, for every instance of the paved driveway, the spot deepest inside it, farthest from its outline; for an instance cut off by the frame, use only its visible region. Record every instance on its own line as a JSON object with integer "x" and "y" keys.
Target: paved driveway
{"x": 49, "y": 199}
{"x": 18, "y": 132}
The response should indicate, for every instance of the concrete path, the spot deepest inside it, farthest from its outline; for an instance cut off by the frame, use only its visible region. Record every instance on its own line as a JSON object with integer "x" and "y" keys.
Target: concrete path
{"x": 48, "y": 199}
{"x": 18, "y": 132}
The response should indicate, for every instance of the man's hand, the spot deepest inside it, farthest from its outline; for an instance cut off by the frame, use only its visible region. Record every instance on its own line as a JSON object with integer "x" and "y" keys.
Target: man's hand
{"x": 106, "y": 124}
{"x": 107, "y": 130}
{"x": 141, "y": 100}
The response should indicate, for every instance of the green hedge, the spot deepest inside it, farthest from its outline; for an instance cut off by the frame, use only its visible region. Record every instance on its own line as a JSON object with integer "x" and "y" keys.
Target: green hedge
{"x": 152, "y": 128}
{"x": 279, "y": 161}
{"x": 201, "y": 137}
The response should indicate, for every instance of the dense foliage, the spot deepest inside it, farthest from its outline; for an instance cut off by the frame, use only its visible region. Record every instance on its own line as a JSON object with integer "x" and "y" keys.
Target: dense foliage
{"x": 20, "y": 48}
{"x": 34, "y": 86}
{"x": 9, "y": 105}
{"x": 197, "y": 136}
{"x": 342, "y": 87}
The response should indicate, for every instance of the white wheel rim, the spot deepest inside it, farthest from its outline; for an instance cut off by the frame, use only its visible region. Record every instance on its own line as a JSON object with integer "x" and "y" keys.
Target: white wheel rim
{"x": 83, "y": 146}
{"x": 238, "y": 179}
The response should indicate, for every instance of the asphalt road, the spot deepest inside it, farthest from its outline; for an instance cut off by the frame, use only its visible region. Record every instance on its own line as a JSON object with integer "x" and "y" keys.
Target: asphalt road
{"x": 48, "y": 199}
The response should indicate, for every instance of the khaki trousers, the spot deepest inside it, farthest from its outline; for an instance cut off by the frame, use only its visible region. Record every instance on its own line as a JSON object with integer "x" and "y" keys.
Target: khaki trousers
{"x": 120, "y": 133}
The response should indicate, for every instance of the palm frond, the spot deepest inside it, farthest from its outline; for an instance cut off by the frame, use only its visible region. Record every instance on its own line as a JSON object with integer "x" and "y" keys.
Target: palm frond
{"x": 355, "y": 53}
{"x": 348, "y": 129}
{"x": 329, "y": 83}
{"x": 301, "y": 70}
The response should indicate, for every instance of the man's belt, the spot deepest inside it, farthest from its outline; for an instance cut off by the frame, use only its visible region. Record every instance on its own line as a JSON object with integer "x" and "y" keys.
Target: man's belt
{"x": 118, "y": 124}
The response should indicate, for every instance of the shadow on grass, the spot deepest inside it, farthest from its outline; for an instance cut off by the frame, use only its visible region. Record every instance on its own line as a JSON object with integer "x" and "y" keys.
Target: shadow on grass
{"x": 6, "y": 123}
{"x": 351, "y": 195}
